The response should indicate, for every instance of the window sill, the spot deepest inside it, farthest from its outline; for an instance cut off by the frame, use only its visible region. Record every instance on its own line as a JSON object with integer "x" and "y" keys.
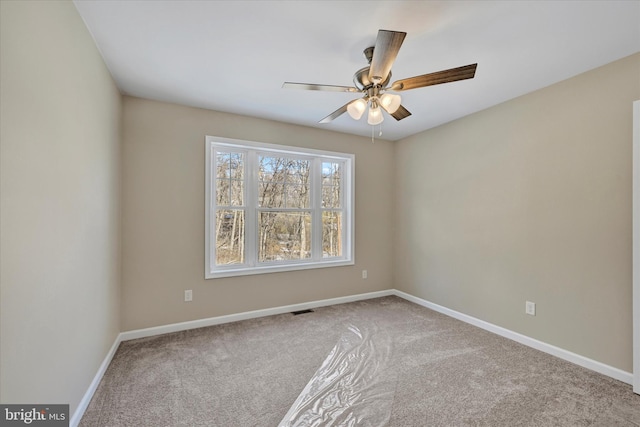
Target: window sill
{"x": 246, "y": 271}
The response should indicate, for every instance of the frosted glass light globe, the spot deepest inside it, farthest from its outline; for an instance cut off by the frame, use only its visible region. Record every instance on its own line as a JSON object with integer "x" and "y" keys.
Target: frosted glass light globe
{"x": 356, "y": 108}
{"x": 390, "y": 102}
{"x": 375, "y": 115}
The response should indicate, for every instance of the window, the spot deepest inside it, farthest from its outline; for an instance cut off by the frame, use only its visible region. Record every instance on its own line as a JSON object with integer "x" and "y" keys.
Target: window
{"x": 276, "y": 208}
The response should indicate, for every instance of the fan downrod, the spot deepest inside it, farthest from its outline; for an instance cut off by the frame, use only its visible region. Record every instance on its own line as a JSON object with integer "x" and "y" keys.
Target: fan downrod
{"x": 368, "y": 54}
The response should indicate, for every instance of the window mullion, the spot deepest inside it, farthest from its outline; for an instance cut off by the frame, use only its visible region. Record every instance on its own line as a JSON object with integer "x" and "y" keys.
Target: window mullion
{"x": 347, "y": 204}
{"x": 316, "y": 210}
{"x": 251, "y": 202}
{"x": 211, "y": 208}
{"x": 341, "y": 209}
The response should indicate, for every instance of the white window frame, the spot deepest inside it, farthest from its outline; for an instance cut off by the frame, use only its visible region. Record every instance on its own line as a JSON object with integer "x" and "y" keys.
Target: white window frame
{"x": 251, "y": 265}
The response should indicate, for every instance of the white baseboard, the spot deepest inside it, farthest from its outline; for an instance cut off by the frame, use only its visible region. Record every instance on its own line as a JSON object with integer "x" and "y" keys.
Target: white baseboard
{"x": 585, "y": 362}
{"x": 183, "y": 326}
{"x": 201, "y": 323}
{"x": 86, "y": 399}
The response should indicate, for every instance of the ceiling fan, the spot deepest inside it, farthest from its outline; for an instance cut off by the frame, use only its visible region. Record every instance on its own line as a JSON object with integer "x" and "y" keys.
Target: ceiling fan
{"x": 373, "y": 82}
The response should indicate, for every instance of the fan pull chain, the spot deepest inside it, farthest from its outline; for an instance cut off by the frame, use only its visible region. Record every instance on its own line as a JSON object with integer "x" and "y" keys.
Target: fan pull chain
{"x": 373, "y": 140}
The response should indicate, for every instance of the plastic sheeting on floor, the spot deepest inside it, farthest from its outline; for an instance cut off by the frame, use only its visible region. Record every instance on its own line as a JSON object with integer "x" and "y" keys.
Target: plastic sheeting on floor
{"x": 354, "y": 386}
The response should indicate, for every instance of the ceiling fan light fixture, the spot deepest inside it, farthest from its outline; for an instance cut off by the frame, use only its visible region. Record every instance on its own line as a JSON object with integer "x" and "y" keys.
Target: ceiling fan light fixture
{"x": 373, "y": 82}
{"x": 356, "y": 108}
{"x": 390, "y": 102}
{"x": 375, "y": 114}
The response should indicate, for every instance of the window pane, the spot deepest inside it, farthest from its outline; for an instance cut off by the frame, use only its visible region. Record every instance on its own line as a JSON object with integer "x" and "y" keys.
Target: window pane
{"x": 222, "y": 192}
{"x": 229, "y": 236}
{"x": 298, "y": 171}
{"x": 236, "y": 166}
{"x": 230, "y": 176}
{"x": 284, "y": 236}
{"x": 331, "y": 234}
{"x": 222, "y": 165}
{"x": 297, "y": 196}
{"x": 271, "y": 168}
{"x": 331, "y": 196}
{"x": 298, "y": 184}
{"x": 327, "y": 196}
{"x": 330, "y": 173}
{"x": 237, "y": 193}
{"x": 271, "y": 194}
{"x": 331, "y": 185}
{"x": 283, "y": 182}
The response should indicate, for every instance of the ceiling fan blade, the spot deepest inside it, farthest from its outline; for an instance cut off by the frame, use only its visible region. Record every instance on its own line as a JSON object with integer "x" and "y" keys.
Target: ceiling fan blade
{"x": 384, "y": 54}
{"x": 340, "y": 111}
{"x": 401, "y": 113}
{"x": 439, "y": 77}
{"x": 311, "y": 86}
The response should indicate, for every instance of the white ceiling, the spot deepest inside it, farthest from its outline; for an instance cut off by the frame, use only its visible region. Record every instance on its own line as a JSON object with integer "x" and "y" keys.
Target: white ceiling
{"x": 233, "y": 56}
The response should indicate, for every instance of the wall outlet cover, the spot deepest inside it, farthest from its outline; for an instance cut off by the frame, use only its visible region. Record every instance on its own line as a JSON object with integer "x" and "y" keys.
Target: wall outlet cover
{"x": 530, "y": 308}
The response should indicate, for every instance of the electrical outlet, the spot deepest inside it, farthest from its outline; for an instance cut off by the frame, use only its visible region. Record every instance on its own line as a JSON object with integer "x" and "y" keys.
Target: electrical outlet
{"x": 364, "y": 274}
{"x": 530, "y": 308}
{"x": 188, "y": 295}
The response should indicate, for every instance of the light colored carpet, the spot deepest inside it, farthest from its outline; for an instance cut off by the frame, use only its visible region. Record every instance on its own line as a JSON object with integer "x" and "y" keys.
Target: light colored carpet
{"x": 400, "y": 365}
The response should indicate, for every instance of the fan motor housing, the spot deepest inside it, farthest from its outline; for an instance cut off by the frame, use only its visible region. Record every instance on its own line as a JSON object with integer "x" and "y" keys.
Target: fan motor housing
{"x": 362, "y": 82}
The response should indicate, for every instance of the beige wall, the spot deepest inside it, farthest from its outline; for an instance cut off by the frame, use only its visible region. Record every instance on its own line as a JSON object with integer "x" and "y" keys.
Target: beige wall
{"x": 163, "y": 217}
{"x": 59, "y": 206}
{"x": 528, "y": 200}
